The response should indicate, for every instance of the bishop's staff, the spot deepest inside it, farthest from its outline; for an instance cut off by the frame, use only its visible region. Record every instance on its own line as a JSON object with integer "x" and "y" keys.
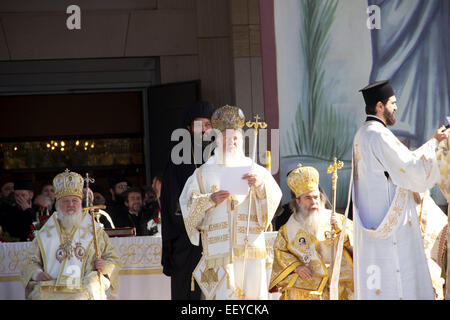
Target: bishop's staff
{"x": 256, "y": 125}
{"x": 332, "y": 169}
{"x": 91, "y": 210}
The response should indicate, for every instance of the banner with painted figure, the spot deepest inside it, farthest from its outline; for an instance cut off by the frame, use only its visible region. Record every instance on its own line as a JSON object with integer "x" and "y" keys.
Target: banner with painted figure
{"x": 327, "y": 50}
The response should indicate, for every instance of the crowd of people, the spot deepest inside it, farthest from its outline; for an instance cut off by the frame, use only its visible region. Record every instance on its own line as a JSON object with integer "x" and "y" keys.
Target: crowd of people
{"x": 127, "y": 206}
{"x": 213, "y": 241}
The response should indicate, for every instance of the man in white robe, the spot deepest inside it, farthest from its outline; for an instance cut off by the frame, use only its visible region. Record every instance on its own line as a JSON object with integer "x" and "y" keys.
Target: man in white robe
{"x": 230, "y": 269}
{"x": 389, "y": 255}
{"x": 61, "y": 262}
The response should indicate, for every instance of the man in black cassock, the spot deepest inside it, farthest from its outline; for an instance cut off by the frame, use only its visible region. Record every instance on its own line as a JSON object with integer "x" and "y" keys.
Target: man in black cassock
{"x": 179, "y": 256}
{"x": 18, "y": 216}
{"x": 118, "y": 185}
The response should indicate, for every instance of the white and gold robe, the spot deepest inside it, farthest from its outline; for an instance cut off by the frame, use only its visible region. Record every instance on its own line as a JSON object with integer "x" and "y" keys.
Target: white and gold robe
{"x": 443, "y": 156}
{"x": 389, "y": 255}
{"x": 296, "y": 246}
{"x": 223, "y": 231}
{"x": 433, "y": 225}
{"x": 69, "y": 260}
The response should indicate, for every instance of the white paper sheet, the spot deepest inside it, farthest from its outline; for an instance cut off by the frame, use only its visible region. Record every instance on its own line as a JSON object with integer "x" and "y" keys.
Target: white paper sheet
{"x": 231, "y": 180}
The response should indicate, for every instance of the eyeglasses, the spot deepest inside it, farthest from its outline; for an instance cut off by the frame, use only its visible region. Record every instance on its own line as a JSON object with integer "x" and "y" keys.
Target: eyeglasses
{"x": 123, "y": 187}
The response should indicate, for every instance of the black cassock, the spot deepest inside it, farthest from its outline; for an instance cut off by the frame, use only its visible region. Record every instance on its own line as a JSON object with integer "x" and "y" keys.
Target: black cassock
{"x": 15, "y": 221}
{"x": 179, "y": 255}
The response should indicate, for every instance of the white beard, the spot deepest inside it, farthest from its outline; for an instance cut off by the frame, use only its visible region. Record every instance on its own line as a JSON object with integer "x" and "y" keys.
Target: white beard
{"x": 232, "y": 157}
{"x": 229, "y": 157}
{"x": 310, "y": 221}
{"x": 68, "y": 221}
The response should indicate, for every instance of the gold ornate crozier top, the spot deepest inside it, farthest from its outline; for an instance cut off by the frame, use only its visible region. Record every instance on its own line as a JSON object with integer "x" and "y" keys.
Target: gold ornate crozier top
{"x": 256, "y": 124}
{"x": 333, "y": 169}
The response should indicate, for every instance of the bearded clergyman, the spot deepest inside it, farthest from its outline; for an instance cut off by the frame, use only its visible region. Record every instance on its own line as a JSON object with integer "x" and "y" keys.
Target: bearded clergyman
{"x": 303, "y": 249}
{"x": 389, "y": 250}
{"x": 62, "y": 263}
{"x": 233, "y": 265}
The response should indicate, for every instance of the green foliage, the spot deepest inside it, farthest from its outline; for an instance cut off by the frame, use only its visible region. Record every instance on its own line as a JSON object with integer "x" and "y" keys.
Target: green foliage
{"x": 319, "y": 130}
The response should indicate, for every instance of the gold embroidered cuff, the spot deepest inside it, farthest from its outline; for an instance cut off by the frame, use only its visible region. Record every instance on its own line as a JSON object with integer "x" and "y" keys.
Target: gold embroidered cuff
{"x": 261, "y": 192}
{"x": 197, "y": 207}
{"x": 200, "y": 203}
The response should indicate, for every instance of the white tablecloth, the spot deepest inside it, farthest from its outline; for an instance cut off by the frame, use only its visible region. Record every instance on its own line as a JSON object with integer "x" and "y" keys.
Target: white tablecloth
{"x": 140, "y": 276}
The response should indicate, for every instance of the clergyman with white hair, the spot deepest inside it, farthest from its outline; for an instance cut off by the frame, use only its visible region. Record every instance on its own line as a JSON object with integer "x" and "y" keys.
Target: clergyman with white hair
{"x": 61, "y": 262}
{"x": 233, "y": 266}
{"x": 303, "y": 248}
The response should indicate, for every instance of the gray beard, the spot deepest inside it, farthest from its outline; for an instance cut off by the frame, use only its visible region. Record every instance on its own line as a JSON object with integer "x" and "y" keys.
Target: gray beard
{"x": 69, "y": 221}
{"x": 310, "y": 221}
{"x": 231, "y": 157}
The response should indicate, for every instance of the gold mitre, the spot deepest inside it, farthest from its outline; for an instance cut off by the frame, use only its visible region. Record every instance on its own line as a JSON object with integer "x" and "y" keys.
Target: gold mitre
{"x": 228, "y": 117}
{"x": 303, "y": 179}
{"x": 68, "y": 184}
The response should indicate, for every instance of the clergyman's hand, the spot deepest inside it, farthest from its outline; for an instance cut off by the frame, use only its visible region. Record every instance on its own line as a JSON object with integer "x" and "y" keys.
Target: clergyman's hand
{"x": 253, "y": 179}
{"x": 99, "y": 265}
{"x": 23, "y": 203}
{"x": 303, "y": 272}
{"x": 333, "y": 221}
{"x": 441, "y": 134}
{"x": 43, "y": 276}
{"x": 219, "y": 196}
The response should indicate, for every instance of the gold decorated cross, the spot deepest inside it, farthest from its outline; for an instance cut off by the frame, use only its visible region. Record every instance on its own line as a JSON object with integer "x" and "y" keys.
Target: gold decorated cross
{"x": 256, "y": 124}
{"x": 333, "y": 169}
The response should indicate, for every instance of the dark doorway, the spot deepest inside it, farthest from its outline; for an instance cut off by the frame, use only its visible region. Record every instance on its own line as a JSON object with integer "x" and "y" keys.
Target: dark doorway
{"x": 102, "y": 133}
{"x": 96, "y": 133}
{"x": 166, "y": 106}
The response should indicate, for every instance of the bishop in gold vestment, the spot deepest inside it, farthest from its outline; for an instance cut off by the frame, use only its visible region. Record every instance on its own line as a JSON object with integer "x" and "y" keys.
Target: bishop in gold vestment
{"x": 61, "y": 262}
{"x": 303, "y": 249}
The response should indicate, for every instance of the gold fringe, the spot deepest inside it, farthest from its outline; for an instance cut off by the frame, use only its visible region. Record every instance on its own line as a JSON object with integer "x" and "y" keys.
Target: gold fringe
{"x": 300, "y": 294}
{"x": 63, "y": 289}
{"x": 192, "y": 283}
{"x": 223, "y": 260}
{"x": 220, "y": 261}
{"x": 252, "y": 253}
